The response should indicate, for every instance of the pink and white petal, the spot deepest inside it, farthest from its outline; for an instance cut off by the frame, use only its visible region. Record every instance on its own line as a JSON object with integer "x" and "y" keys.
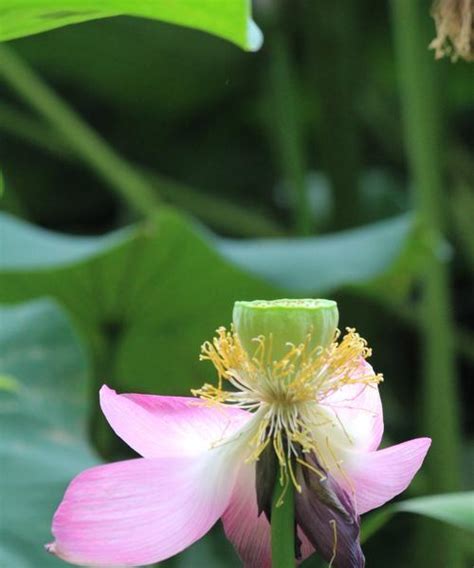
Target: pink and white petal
{"x": 357, "y": 409}
{"x": 162, "y": 426}
{"x": 248, "y": 532}
{"x": 377, "y": 477}
{"x": 141, "y": 511}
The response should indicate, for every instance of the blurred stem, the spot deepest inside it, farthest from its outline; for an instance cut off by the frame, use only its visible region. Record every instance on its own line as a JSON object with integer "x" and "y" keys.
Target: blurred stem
{"x": 31, "y": 130}
{"x": 122, "y": 178}
{"x": 409, "y": 315}
{"x": 283, "y": 527}
{"x": 462, "y": 207}
{"x": 441, "y": 410}
{"x": 332, "y": 32}
{"x": 216, "y": 211}
{"x": 286, "y": 124}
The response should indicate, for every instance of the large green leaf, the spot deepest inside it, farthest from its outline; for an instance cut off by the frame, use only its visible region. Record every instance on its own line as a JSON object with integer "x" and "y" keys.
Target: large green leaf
{"x": 229, "y": 19}
{"x": 43, "y": 423}
{"x": 328, "y": 262}
{"x": 180, "y": 60}
{"x": 147, "y": 296}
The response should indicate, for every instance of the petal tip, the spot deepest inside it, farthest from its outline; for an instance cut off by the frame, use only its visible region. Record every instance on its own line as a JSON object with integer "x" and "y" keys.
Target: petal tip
{"x": 423, "y": 444}
{"x": 105, "y": 392}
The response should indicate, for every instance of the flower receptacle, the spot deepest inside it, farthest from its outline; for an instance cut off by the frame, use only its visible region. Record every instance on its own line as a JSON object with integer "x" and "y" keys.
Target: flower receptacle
{"x": 285, "y": 321}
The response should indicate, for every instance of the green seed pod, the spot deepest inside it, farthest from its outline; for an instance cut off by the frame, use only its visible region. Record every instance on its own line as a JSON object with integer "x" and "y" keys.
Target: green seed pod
{"x": 285, "y": 321}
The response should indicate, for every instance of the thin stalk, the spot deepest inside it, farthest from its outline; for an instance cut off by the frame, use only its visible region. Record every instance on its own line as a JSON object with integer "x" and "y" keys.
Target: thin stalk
{"x": 283, "y": 527}
{"x": 116, "y": 172}
{"x": 219, "y": 213}
{"x": 409, "y": 314}
{"x": 422, "y": 136}
{"x": 24, "y": 127}
{"x": 286, "y": 125}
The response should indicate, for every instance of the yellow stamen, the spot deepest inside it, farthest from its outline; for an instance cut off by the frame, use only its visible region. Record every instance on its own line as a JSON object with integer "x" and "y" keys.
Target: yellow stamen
{"x": 333, "y": 523}
{"x": 321, "y": 475}
{"x": 289, "y": 393}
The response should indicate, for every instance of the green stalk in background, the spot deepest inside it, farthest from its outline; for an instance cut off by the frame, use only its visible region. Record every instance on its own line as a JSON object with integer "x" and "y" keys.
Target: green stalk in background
{"x": 218, "y": 212}
{"x": 141, "y": 189}
{"x": 286, "y": 125}
{"x": 283, "y": 527}
{"x": 332, "y": 32}
{"x": 423, "y": 139}
{"x": 130, "y": 184}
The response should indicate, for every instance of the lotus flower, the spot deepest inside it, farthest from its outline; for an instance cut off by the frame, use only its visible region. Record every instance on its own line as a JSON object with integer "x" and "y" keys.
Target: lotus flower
{"x": 307, "y": 414}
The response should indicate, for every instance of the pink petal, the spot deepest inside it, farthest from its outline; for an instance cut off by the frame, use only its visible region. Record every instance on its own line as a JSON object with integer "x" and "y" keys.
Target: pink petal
{"x": 358, "y": 409}
{"x": 379, "y": 476}
{"x": 161, "y": 426}
{"x": 248, "y": 532}
{"x": 141, "y": 511}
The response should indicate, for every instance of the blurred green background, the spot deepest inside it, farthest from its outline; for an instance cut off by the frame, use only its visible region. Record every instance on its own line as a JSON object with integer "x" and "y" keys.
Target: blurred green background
{"x": 154, "y": 174}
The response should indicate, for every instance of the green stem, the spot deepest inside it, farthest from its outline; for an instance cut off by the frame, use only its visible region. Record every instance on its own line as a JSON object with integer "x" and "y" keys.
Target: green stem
{"x": 462, "y": 208}
{"x": 121, "y": 177}
{"x": 409, "y": 315}
{"x": 218, "y": 212}
{"x": 283, "y": 527}
{"x": 423, "y": 139}
{"x": 286, "y": 125}
{"x": 24, "y": 127}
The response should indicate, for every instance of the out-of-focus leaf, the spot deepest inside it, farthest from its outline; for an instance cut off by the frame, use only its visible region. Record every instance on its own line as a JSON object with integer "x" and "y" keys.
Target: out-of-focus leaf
{"x": 8, "y": 383}
{"x": 20, "y": 250}
{"x": 456, "y": 509}
{"x": 151, "y": 294}
{"x": 230, "y": 19}
{"x": 43, "y": 424}
{"x": 165, "y": 67}
{"x": 356, "y": 257}
{"x": 144, "y": 298}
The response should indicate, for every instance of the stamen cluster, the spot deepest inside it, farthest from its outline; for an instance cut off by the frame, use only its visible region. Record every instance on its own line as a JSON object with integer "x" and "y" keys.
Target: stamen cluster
{"x": 288, "y": 394}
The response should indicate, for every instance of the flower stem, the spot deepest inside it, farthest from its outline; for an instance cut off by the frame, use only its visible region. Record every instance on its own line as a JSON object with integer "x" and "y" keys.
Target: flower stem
{"x": 283, "y": 527}
{"x": 423, "y": 140}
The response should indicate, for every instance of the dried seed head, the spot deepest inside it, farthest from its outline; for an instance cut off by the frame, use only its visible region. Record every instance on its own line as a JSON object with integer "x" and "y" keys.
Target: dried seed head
{"x": 454, "y": 21}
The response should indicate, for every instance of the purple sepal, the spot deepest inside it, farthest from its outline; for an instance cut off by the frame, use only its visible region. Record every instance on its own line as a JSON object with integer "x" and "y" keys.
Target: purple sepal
{"x": 326, "y": 514}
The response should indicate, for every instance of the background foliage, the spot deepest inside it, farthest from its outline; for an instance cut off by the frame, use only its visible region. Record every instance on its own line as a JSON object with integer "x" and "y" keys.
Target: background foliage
{"x": 154, "y": 174}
